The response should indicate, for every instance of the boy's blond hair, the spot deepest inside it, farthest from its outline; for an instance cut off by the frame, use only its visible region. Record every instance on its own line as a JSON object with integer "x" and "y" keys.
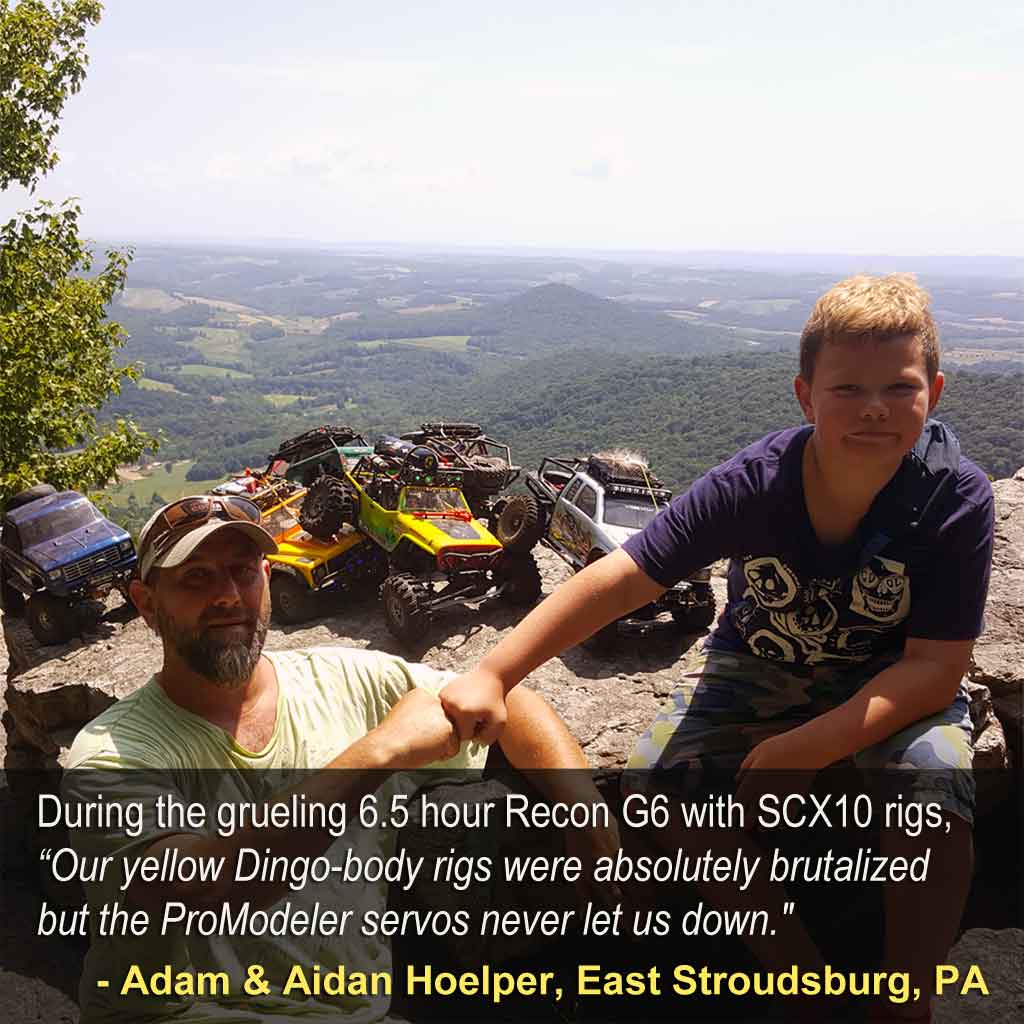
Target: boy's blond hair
{"x": 879, "y": 308}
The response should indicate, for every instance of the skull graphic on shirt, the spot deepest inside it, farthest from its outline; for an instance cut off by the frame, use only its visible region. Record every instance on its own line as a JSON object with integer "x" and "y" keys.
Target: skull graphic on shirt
{"x": 770, "y": 581}
{"x": 881, "y": 591}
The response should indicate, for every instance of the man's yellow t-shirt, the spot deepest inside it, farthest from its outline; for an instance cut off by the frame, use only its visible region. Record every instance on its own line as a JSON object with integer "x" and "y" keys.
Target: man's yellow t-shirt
{"x": 147, "y": 746}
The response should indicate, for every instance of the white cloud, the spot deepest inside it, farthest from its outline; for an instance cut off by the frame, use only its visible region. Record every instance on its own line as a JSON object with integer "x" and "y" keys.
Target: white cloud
{"x": 300, "y": 163}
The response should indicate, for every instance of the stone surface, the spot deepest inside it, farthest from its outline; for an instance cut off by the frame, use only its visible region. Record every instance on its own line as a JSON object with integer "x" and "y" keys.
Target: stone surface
{"x": 999, "y": 653}
{"x": 1000, "y": 956}
{"x": 606, "y": 702}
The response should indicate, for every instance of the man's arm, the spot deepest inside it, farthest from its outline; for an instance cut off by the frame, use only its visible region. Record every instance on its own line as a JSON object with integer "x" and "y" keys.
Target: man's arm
{"x": 603, "y": 592}
{"x": 922, "y": 682}
{"x": 535, "y": 739}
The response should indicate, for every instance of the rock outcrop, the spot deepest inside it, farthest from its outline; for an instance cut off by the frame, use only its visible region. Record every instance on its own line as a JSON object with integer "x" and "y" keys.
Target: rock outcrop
{"x": 999, "y": 653}
{"x": 606, "y": 701}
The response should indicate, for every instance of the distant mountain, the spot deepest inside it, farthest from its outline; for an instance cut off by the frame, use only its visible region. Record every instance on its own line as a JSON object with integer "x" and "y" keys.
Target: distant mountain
{"x": 556, "y": 316}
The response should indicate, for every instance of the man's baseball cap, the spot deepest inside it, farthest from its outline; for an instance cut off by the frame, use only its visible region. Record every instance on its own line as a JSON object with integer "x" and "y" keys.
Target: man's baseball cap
{"x": 173, "y": 532}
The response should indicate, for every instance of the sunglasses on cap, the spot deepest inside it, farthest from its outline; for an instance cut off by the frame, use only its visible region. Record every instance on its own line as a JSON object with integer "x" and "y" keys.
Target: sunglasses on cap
{"x": 187, "y": 513}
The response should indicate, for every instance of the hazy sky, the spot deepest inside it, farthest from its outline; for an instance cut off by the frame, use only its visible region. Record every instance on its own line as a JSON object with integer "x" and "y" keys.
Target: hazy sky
{"x": 790, "y": 126}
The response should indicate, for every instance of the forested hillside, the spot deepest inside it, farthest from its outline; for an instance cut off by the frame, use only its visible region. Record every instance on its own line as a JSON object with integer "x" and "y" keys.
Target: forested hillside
{"x": 555, "y": 356}
{"x": 686, "y": 414}
{"x": 555, "y": 316}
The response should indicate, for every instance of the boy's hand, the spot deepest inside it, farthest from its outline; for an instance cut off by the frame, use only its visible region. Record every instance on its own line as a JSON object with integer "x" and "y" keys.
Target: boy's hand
{"x": 784, "y": 752}
{"x": 475, "y": 704}
{"x": 781, "y": 765}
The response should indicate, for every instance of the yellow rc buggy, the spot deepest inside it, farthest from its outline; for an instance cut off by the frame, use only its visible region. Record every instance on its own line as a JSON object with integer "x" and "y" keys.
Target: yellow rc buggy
{"x": 438, "y": 554}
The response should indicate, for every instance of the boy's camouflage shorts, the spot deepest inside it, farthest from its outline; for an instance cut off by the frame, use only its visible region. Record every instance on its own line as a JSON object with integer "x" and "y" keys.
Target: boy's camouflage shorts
{"x": 729, "y": 702}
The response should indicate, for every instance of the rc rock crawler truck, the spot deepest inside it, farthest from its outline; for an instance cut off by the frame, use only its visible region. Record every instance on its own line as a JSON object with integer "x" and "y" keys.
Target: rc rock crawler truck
{"x": 56, "y": 551}
{"x": 486, "y": 464}
{"x": 264, "y": 489}
{"x": 585, "y": 508}
{"x": 439, "y": 555}
{"x": 323, "y": 450}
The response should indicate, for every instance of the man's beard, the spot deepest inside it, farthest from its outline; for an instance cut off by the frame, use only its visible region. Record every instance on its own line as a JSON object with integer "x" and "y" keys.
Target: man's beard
{"x": 225, "y": 663}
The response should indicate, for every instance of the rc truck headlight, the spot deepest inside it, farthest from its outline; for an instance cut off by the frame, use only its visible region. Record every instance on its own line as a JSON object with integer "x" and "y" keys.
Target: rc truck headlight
{"x": 54, "y": 574}
{"x": 125, "y": 547}
{"x": 320, "y": 572}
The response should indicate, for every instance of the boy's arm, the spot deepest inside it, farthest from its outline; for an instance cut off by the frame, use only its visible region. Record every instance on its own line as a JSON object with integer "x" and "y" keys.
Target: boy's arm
{"x": 923, "y": 681}
{"x": 606, "y": 590}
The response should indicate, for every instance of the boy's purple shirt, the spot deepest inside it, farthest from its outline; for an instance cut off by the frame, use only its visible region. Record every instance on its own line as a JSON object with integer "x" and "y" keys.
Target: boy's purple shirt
{"x": 917, "y": 567}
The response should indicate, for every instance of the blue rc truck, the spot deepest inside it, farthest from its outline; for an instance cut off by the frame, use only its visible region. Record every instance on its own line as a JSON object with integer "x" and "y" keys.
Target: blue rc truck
{"x": 57, "y": 550}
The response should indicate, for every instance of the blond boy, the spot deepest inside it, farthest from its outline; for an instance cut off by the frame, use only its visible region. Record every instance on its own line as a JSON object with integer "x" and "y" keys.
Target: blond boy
{"x": 859, "y": 546}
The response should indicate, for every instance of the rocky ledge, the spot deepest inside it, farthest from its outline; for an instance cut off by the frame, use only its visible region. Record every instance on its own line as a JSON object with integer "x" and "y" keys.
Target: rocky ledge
{"x": 606, "y": 701}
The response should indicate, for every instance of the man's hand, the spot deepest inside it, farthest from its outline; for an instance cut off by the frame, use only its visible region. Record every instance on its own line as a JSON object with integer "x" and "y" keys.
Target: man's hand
{"x": 416, "y": 732}
{"x": 475, "y": 704}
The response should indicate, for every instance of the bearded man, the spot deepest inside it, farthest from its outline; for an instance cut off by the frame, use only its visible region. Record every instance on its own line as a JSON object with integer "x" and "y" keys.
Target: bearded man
{"x": 221, "y": 723}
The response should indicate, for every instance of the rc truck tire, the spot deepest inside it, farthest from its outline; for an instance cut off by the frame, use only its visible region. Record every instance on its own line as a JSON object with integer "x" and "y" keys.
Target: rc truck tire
{"x": 488, "y": 475}
{"x": 290, "y": 599}
{"x": 521, "y": 523}
{"x": 29, "y": 494}
{"x": 521, "y": 579}
{"x": 51, "y": 619}
{"x": 404, "y": 613}
{"x": 328, "y": 505}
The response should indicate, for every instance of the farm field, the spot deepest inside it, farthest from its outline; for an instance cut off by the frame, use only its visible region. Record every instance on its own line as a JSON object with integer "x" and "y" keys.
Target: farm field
{"x": 156, "y": 480}
{"x": 222, "y": 345}
{"x": 966, "y": 356}
{"x": 439, "y": 343}
{"x": 203, "y": 370}
{"x": 156, "y": 385}
{"x": 150, "y": 299}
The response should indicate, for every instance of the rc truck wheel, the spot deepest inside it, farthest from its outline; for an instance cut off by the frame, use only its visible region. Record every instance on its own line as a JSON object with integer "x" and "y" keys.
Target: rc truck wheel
{"x": 50, "y": 618}
{"x": 521, "y": 579}
{"x": 488, "y": 475}
{"x": 290, "y": 599}
{"x": 29, "y": 494}
{"x": 404, "y": 613}
{"x": 521, "y": 523}
{"x": 693, "y": 620}
{"x": 328, "y": 505}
